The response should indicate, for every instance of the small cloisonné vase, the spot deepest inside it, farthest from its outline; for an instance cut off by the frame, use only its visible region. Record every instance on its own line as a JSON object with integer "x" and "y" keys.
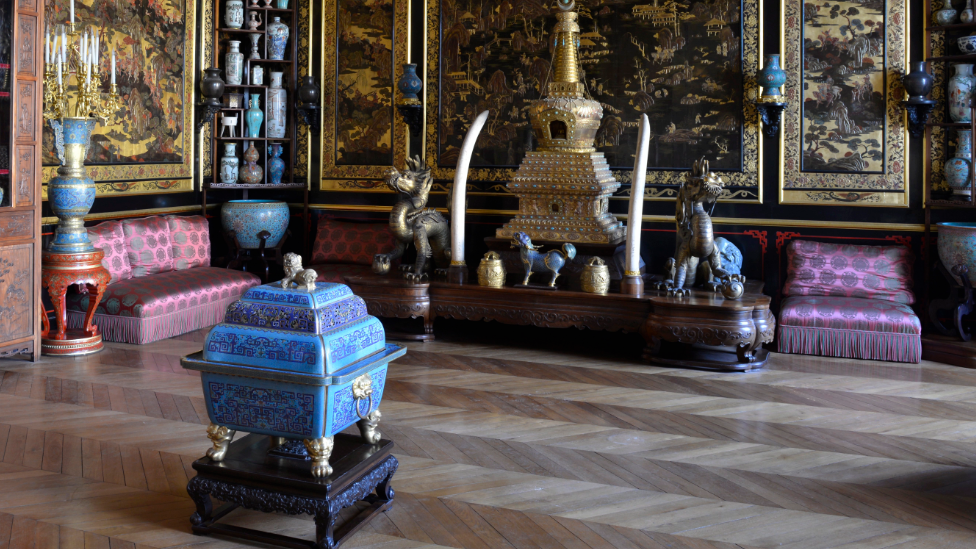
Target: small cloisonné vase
{"x": 771, "y": 78}
{"x": 276, "y": 166}
{"x": 71, "y": 193}
{"x": 410, "y": 84}
{"x": 254, "y": 117}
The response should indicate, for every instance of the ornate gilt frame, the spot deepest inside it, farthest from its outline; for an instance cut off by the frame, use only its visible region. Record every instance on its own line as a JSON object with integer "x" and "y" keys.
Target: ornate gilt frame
{"x": 741, "y": 186}
{"x": 834, "y": 189}
{"x": 137, "y": 179}
{"x": 363, "y": 177}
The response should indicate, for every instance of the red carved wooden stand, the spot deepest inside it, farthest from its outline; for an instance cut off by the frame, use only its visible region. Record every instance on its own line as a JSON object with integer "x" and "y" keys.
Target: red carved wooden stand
{"x": 58, "y": 272}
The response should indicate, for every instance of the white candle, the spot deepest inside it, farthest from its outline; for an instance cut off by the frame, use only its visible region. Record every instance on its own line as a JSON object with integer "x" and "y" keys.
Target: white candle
{"x": 632, "y": 262}
{"x": 64, "y": 43}
{"x": 82, "y": 58}
{"x": 59, "y": 71}
{"x": 95, "y": 53}
{"x": 72, "y": 11}
{"x": 113, "y": 65}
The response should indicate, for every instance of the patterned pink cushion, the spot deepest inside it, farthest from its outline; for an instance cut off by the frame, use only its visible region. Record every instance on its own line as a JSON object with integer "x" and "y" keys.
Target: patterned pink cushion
{"x": 875, "y": 272}
{"x": 147, "y": 242}
{"x": 191, "y": 241}
{"x": 336, "y": 272}
{"x": 341, "y": 242}
{"x": 168, "y": 292}
{"x": 849, "y": 313}
{"x": 850, "y": 327}
{"x": 109, "y": 238}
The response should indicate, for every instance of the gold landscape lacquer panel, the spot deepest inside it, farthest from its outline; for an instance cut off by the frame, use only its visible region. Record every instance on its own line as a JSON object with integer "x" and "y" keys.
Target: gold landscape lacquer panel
{"x": 147, "y": 147}
{"x": 364, "y": 44}
{"x": 690, "y": 66}
{"x": 845, "y": 141}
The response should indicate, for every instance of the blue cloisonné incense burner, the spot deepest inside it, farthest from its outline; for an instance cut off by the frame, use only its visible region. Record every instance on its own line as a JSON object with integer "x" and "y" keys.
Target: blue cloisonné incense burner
{"x": 300, "y": 364}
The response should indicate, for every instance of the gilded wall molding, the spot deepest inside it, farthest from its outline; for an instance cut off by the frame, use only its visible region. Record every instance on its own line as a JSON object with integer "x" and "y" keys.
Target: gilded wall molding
{"x": 125, "y": 214}
{"x": 823, "y": 160}
{"x": 136, "y": 178}
{"x": 742, "y": 186}
{"x": 348, "y": 92}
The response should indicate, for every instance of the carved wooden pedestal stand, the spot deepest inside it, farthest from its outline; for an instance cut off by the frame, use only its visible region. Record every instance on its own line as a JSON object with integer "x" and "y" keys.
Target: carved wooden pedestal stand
{"x": 953, "y": 344}
{"x": 242, "y": 255}
{"x": 58, "y": 272}
{"x": 249, "y": 477}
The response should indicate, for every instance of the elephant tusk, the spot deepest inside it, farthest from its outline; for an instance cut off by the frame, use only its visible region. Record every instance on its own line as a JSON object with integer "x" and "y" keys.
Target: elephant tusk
{"x": 637, "y": 198}
{"x": 458, "y": 199}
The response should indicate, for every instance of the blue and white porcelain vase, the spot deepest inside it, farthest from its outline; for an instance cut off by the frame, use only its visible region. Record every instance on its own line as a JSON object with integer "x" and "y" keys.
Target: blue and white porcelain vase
{"x": 276, "y": 166}
{"x": 71, "y": 193}
{"x": 235, "y": 64}
{"x": 957, "y": 169}
{"x": 410, "y": 84}
{"x": 960, "y": 93}
{"x": 277, "y": 108}
{"x": 254, "y": 117}
{"x": 277, "y": 39}
{"x": 771, "y": 78}
{"x": 234, "y": 14}
{"x": 229, "y": 164}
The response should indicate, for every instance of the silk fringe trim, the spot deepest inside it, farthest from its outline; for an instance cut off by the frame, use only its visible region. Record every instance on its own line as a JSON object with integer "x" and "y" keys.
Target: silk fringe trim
{"x": 142, "y": 330}
{"x": 887, "y": 346}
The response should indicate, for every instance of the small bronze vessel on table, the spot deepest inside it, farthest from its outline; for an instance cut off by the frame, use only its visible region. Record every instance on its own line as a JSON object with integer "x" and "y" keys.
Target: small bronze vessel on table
{"x": 491, "y": 271}
{"x": 595, "y": 278}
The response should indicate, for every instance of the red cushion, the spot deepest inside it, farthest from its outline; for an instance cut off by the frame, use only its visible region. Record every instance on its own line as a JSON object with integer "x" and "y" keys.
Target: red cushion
{"x": 109, "y": 238}
{"x": 357, "y": 243}
{"x": 168, "y": 292}
{"x": 148, "y": 244}
{"x": 191, "y": 241}
{"x": 875, "y": 272}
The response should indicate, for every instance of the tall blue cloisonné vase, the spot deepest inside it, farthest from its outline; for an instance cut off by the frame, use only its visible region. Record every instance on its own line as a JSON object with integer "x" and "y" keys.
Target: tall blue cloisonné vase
{"x": 71, "y": 193}
{"x": 771, "y": 78}
{"x": 410, "y": 84}
{"x": 294, "y": 363}
{"x": 254, "y": 117}
{"x": 276, "y": 166}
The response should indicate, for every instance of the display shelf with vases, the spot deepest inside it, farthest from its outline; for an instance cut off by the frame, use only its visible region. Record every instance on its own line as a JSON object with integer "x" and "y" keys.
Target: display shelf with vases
{"x": 259, "y": 43}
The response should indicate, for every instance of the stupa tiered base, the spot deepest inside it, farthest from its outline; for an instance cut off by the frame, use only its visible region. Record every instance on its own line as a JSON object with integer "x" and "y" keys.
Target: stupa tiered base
{"x": 563, "y": 197}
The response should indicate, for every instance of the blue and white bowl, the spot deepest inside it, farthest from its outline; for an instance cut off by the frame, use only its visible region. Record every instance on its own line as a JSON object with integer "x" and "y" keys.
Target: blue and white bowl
{"x": 967, "y": 44}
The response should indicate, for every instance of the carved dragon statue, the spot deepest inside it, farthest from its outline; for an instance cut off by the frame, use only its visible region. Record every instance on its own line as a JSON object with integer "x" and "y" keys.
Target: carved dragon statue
{"x": 412, "y": 222}
{"x": 695, "y": 244}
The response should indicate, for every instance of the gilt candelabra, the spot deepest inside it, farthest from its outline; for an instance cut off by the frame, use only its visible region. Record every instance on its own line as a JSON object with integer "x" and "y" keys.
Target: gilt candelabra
{"x": 72, "y": 112}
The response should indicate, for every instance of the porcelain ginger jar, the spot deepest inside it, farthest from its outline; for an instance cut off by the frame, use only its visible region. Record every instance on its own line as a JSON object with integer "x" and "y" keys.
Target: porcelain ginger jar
{"x": 298, "y": 363}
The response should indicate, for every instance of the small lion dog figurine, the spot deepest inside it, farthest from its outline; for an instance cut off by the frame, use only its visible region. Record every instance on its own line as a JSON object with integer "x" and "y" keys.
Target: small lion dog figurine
{"x": 305, "y": 278}
{"x": 553, "y": 260}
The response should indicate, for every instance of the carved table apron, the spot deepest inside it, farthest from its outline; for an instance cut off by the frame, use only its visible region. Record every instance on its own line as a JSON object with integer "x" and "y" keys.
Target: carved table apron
{"x": 702, "y": 319}
{"x": 249, "y": 477}
{"x": 58, "y": 272}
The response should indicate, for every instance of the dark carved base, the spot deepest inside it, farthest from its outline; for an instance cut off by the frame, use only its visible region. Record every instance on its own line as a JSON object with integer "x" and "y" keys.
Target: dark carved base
{"x": 250, "y": 478}
{"x": 206, "y": 112}
{"x": 457, "y": 274}
{"x": 413, "y": 115}
{"x": 309, "y": 115}
{"x": 632, "y": 285}
{"x": 771, "y": 115}
{"x": 242, "y": 255}
{"x": 715, "y": 360}
{"x": 958, "y": 304}
{"x": 918, "y": 116}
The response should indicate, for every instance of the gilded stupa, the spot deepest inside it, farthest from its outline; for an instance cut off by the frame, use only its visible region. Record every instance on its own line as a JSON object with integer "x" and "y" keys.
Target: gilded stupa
{"x": 564, "y": 185}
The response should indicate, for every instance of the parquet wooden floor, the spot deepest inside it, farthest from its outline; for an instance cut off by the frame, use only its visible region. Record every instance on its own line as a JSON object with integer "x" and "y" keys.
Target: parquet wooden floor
{"x": 524, "y": 445}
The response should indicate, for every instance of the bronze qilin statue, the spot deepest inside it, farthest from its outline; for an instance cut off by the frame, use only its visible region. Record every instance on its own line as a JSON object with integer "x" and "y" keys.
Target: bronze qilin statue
{"x": 412, "y": 222}
{"x": 695, "y": 246}
{"x": 536, "y": 261}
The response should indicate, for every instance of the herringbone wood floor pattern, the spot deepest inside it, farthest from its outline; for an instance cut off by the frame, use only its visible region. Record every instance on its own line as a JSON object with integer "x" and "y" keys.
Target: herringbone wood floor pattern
{"x": 510, "y": 446}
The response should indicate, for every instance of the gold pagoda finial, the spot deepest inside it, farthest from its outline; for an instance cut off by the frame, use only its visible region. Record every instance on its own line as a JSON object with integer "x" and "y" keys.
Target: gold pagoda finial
{"x": 566, "y": 78}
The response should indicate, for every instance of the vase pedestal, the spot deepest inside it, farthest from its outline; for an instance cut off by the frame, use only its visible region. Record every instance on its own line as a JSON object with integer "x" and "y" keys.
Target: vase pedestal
{"x": 58, "y": 272}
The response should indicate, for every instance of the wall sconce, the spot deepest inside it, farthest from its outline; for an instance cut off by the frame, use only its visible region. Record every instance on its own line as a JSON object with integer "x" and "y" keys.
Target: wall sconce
{"x": 211, "y": 88}
{"x": 770, "y": 105}
{"x": 412, "y": 110}
{"x": 918, "y": 84}
{"x": 308, "y": 106}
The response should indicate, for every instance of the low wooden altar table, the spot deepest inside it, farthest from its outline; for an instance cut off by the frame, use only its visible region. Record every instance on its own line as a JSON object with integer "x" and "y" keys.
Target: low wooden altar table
{"x": 58, "y": 272}
{"x": 252, "y": 478}
{"x": 692, "y": 328}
